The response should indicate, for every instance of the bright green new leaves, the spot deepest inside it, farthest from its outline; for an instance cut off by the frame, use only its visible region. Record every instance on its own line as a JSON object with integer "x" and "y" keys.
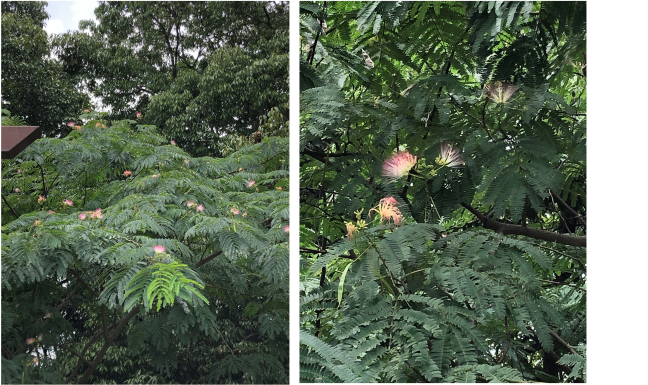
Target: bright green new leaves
{"x": 162, "y": 282}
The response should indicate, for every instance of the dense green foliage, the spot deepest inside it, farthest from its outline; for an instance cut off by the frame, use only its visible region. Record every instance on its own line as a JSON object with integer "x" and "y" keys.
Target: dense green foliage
{"x": 88, "y": 295}
{"x": 34, "y": 85}
{"x": 418, "y": 269}
{"x": 197, "y": 70}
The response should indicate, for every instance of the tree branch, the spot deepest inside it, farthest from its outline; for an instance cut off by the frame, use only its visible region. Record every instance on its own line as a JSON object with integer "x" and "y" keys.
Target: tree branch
{"x": 559, "y": 199}
{"x": 207, "y": 259}
{"x": 10, "y": 208}
{"x": 505, "y": 229}
{"x": 107, "y": 344}
{"x": 568, "y": 346}
{"x": 84, "y": 283}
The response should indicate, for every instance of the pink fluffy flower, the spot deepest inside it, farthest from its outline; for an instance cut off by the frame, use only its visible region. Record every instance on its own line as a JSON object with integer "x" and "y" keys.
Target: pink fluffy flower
{"x": 16, "y": 190}
{"x": 30, "y": 341}
{"x": 158, "y": 249}
{"x": 200, "y": 208}
{"x": 398, "y": 165}
{"x": 154, "y": 176}
{"x": 235, "y": 211}
{"x": 190, "y": 203}
{"x": 387, "y": 212}
{"x": 449, "y": 156}
{"x": 128, "y": 173}
{"x": 70, "y": 124}
{"x": 351, "y": 228}
{"x": 286, "y": 228}
{"x": 68, "y": 202}
{"x": 390, "y": 200}
{"x": 138, "y": 114}
{"x": 173, "y": 142}
{"x": 41, "y": 199}
{"x": 82, "y": 216}
{"x": 51, "y": 212}
{"x": 251, "y": 183}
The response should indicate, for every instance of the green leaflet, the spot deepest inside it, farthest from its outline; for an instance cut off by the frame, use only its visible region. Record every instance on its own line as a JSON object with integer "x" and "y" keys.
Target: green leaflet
{"x": 341, "y": 285}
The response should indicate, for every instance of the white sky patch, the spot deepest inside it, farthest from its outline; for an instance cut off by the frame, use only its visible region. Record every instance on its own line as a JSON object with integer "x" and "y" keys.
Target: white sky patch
{"x": 55, "y": 26}
{"x": 66, "y": 15}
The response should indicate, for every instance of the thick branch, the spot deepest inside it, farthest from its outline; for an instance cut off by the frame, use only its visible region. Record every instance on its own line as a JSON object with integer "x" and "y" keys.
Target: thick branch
{"x": 505, "y": 229}
{"x": 84, "y": 283}
{"x": 559, "y": 199}
{"x": 207, "y": 259}
{"x": 568, "y": 346}
{"x": 10, "y": 208}
{"x": 107, "y": 344}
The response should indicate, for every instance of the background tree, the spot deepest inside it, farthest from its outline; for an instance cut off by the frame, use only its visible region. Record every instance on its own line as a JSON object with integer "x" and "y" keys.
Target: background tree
{"x": 125, "y": 260}
{"x": 443, "y": 196}
{"x": 197, "y": 70}
{"x": 34, "y": 85}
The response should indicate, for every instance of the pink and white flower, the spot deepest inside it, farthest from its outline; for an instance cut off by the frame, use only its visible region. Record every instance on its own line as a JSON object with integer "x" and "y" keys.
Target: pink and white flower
{"x": 158, "y": 249}
{"x": 128, "y": 173}
{"x": 190, "y": 203}
{"x": 398, "y": 165}
{"x": 235, "y": 210}
{"x": 68, "y": 202}
{"x": 387, "y": 211}
{"x": 173, "y": 142}
{"x": 51, "y": 212}
{"x": 200, "y": 208}
{"x": 286, "y": 228}
{"x": 138, "y": 114}
{"x": 30, "y": 341}
{"x": 351, "y": 228}
{"x": 82, "y": 216}
{"x": 390, "y": 200}
{"x": 16, "y": 190}
{"x": 251, "y": 183}
{"x": 449, "y": 156}
{"x": 154, "y": 176}
{"x": 70, "y": 124}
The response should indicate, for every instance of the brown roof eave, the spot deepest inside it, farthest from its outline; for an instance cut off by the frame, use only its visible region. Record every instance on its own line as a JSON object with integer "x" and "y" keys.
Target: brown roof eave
{"x": 16, "y": 138}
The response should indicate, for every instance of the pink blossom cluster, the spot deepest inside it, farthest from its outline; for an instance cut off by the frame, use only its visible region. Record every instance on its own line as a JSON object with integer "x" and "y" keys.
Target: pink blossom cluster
{"x": 200, "y": 208}
{"x": 398, "y": 165}
{"x": 92, "y": 214}
{"x": 388, "y": 211}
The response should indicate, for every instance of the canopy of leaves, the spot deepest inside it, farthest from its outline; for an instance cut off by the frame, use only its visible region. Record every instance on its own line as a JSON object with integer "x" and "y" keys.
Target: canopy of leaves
{"x": 425, "y": 270}
{"x": 197, "y": 70}
{"x": 34, "y": 86}
{"x": 88, "y": 295}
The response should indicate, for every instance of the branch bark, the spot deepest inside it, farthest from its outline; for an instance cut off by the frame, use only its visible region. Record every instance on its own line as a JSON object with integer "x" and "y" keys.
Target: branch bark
{"x": 506, "y": 229}
{"x": 107, "y": 344}
{"x": 207, "y": 259}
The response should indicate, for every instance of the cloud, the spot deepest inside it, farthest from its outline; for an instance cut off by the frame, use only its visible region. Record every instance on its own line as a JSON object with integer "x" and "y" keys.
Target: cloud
{"x": 54, "y": 26}
{"x": 66, "y": 15}
{"x": 82, "y": 10}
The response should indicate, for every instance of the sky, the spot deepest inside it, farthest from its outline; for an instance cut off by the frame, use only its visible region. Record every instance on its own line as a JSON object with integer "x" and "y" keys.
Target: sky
{"x": 65, "y": 15}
